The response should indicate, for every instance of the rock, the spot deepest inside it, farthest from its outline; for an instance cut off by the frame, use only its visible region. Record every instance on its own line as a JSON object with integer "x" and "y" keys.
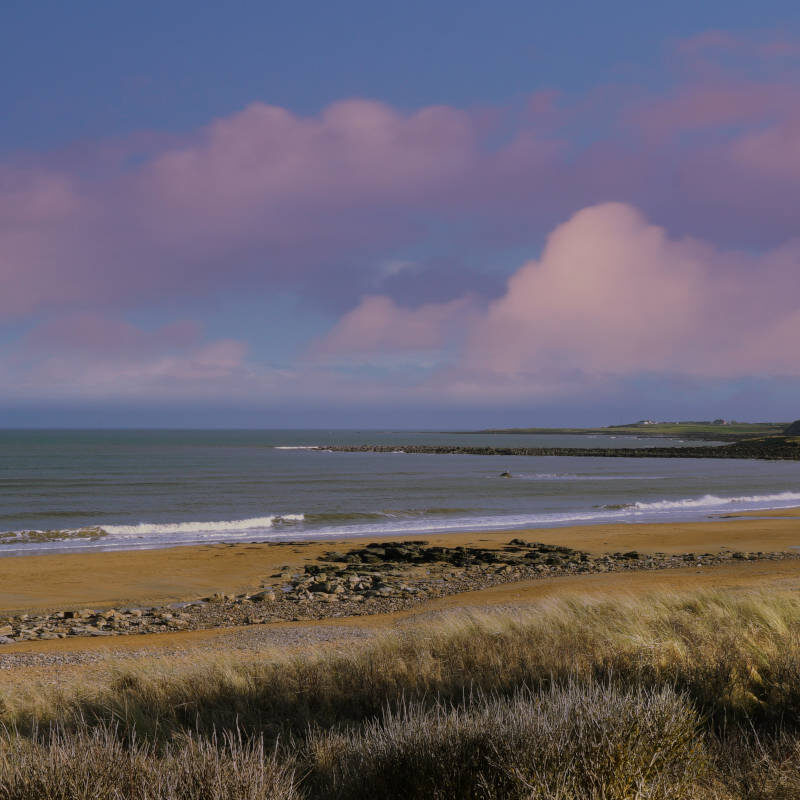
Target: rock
{"x": 6, "y": 630}
{"x": 505, "y": 474}
{"x": 6, "y": 640}
{"x": 88, "y": 630}
{"x": 266, "y": 596}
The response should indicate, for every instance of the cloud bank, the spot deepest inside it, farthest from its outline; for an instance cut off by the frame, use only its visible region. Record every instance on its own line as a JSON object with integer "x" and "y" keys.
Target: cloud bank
{"x": 659, "y": 226}
{"x": 611, "y": 296}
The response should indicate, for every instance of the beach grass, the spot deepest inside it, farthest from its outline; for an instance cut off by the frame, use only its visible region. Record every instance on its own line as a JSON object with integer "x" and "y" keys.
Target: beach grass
{"x": 672, "y": 695}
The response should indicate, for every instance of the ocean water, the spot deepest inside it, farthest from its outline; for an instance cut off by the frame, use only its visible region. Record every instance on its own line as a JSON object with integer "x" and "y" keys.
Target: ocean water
{"x": 159, "y": 488}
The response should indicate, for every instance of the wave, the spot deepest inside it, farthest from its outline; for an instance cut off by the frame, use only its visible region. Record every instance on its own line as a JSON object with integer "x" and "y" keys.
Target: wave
{"x": 340, "y": 517}
{"x": 570, "y": 476}
{"x": 221, "y": 526}
{"x": 382, "y": 522}
{"x": 712, "y": 500}
{"x": 295, "y": 447}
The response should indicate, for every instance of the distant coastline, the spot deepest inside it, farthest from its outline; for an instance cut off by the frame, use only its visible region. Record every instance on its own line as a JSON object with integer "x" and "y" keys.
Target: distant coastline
{"x": 715, "y": 431}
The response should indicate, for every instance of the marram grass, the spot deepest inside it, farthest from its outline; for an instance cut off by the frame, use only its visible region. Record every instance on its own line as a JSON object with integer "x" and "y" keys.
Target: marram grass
{"x": 684, "y": 696}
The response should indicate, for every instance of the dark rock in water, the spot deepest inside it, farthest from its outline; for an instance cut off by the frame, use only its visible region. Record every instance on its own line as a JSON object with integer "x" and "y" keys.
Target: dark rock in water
{"x": 505, "y": 474}
{"x": 793, "y": 429}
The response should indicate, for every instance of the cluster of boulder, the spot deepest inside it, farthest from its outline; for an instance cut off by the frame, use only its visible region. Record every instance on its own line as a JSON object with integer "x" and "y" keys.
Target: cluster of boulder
{"x": 87, "y": 622}
{"x": 380, "y": 577}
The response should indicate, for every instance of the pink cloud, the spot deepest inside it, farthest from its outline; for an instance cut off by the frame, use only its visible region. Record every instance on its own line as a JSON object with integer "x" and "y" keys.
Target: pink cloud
{"x": 94, "y": 333}
{"x": 710, "y": 44}
{"x": 612, "y": 296}
{"x": 261, "y": 196}
{"x": 713, "y": 105}
{"x": 265, "y": 198}
{"x": 254, "y": 170}
{"x": 774, "y": 152}
{"x": 89, "y": 356}
{"x": 378, "y": 325}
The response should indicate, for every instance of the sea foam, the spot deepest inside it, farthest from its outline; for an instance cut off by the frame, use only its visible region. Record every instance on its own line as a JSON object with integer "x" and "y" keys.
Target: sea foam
{"x": 711, "y": 501}
{"x": 221, "y": 526}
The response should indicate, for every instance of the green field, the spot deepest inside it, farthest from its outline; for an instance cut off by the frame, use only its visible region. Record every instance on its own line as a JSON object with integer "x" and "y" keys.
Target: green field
{"x": 709, "y": 431}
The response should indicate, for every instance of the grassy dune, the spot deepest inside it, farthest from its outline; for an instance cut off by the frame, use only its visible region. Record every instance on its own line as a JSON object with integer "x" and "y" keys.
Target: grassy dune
{"x": 694, "y": 696}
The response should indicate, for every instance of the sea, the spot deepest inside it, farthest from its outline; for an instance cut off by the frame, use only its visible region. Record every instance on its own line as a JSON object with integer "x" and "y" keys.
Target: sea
{"x": 155, "y": 488}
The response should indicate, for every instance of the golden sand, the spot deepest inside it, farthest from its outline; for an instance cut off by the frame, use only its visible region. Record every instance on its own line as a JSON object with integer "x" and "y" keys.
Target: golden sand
{"x": 180, "y": 573}
{"x": 102, "y": 579}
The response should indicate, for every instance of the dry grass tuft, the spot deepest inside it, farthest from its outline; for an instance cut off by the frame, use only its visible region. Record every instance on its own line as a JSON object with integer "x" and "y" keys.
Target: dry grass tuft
{"x": 97, "y": 765}
{"x": 582, "y": 741}
{"x": 673, "y": 696}
{"x": 736, "y": 656}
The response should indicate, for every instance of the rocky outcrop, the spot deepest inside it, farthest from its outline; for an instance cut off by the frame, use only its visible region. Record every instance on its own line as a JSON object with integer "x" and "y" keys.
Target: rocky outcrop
{"x": 793, "y": 429}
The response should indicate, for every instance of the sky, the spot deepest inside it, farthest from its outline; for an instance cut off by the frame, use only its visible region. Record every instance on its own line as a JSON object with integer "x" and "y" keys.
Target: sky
{"x": 398, "y": 215}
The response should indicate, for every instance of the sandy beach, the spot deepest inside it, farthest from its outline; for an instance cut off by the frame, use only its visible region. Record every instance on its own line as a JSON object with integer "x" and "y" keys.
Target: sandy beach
{"x": 185, "y": 573}
{"x": 105, "y": 579}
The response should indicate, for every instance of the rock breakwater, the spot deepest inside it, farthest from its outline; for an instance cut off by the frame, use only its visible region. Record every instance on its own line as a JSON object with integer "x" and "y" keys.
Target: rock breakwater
{"x": 780, "y": 448}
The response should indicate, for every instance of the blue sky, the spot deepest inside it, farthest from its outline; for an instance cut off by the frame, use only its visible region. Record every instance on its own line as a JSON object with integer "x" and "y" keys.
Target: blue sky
{"x": 93, "y": 70}
{"x": 309, "y": 214}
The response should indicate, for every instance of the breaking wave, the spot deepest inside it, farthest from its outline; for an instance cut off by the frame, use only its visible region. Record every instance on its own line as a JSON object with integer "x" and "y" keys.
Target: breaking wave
{"x": 222, "y": 526}
{"x": 334, "y": 524}
{"x": 711, "y": 500}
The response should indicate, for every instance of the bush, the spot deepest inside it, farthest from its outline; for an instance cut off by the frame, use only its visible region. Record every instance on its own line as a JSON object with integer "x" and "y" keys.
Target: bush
{"x": 97, "y": 765}
{"x": 580, "y": 741}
